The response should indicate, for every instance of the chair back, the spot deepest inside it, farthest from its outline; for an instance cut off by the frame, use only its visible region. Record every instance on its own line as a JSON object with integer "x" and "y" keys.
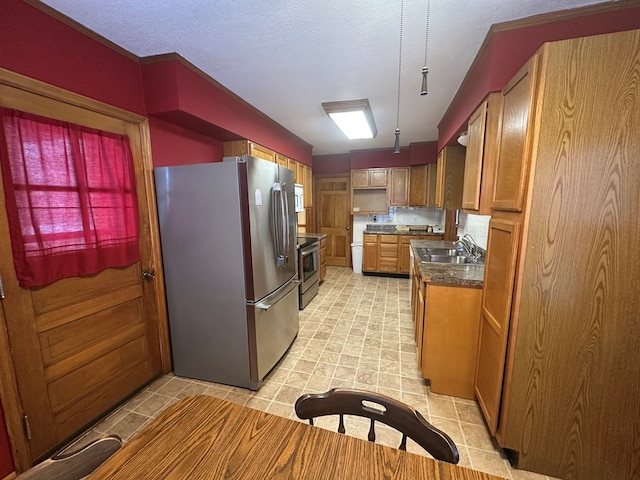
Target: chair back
{"x": 76, "y": 464}
{"x": 381, "y": 408}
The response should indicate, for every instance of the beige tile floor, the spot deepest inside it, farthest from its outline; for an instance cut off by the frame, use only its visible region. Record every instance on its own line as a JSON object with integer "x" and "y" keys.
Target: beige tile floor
{"x": 357, "y": 332}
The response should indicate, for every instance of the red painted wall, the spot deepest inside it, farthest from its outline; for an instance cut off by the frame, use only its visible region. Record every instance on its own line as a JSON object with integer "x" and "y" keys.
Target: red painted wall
{"x": 175, "y": 91}
{"x": 331, "y": 164}
{"x": 415, "y": 154}
{"x": 36, "y": 45}
{"x": 174, "y": 145}
{"x": 507, "y": 50}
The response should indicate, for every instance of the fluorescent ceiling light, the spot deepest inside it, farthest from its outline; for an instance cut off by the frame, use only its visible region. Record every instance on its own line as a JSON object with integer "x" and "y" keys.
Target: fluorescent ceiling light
{"x": 353, "y": 117}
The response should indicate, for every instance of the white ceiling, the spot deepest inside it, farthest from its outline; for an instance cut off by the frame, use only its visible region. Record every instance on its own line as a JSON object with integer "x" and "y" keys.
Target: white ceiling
{"x": 286, "y": 57}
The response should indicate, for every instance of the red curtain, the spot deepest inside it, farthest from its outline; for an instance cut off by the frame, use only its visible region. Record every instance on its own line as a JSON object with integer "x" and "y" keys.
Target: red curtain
{"x": 70, "y": 198}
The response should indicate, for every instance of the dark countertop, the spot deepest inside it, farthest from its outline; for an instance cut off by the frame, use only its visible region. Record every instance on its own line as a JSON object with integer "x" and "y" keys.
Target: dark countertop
{"x": 388, "y": 229}
{"x": 468, "y": 275}
{"x": 304, "y": 239}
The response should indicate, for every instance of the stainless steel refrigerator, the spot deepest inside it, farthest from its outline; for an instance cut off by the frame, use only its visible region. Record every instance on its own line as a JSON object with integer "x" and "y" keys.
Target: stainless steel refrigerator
{"x": 228, "y": 235}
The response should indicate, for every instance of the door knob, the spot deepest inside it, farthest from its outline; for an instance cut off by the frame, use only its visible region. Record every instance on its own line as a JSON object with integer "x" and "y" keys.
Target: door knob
{"x": 148, "y": 275}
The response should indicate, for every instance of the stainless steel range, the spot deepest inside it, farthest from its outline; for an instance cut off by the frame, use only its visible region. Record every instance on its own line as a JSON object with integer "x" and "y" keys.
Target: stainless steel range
{"x": 308, "y": 265}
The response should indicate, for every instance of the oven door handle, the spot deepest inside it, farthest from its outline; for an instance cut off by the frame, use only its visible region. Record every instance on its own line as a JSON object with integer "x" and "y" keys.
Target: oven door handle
{"x": 306, "y": 253}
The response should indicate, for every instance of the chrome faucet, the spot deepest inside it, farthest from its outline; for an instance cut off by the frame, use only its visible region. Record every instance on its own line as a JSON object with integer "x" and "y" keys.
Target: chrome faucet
{"x": 468, "y": 246}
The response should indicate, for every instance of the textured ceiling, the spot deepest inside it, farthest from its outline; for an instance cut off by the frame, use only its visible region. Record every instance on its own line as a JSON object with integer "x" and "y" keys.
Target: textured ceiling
{"x": 286, "y": 57}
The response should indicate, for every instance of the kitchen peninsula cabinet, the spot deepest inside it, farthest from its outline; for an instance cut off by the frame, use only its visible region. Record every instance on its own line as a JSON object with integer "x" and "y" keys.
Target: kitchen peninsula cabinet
{"x": 482, "y": 146}
{"x": 446, "y": 321}
{"x": 564, "y": 219}
{"x": 450, "y": 177}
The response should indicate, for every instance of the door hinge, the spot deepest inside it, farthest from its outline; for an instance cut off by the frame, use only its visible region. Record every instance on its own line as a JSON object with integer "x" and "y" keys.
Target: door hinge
{"x": 27, "y": 426}
{"x": 1, "y": 289}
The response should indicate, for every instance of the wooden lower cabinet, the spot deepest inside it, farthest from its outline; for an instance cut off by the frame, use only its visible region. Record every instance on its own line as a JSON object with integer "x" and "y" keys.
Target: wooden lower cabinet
{"x": 322, "y": 271}
{"x": 370, "y": 253}
{"x": 389, "y": 253}
{"x": 447, "y": 323}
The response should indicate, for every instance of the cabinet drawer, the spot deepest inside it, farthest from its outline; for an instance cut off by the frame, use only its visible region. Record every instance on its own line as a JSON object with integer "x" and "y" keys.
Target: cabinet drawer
{"x": 388, "y": 250}
{"x": 389, "y": 239}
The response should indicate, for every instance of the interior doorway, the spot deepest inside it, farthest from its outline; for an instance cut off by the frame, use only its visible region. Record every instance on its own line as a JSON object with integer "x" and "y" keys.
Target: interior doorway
{"x": 334, "y": 217}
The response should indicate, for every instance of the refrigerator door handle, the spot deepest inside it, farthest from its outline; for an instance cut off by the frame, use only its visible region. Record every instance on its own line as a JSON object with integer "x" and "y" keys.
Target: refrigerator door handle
{"x": 279, "y": 222}
{"x": 285, "y": 223}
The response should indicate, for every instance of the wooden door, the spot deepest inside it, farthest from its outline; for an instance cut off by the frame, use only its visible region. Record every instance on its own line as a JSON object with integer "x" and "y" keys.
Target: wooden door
{"x": 334, "y": 218}
{"x": 80, "y": 345}
{"x": 500, "y": 270}
{"x": 514, "y": 154}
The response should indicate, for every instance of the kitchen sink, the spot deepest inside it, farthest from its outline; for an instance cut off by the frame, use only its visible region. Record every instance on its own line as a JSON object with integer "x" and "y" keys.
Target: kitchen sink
{"x": 441, "y": 251}
{"x": 445, "y": 259}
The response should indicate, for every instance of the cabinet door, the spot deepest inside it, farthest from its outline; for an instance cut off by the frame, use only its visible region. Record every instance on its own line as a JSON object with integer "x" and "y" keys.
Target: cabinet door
{"x": 432, "y": 177}
{"x": 514, "y": 154}
{"x": 418, "y": 186}
{"x": 473, "y": 158}
{"x": 370, "y": 253}
{"x": 360, "y": 178}
{"x": 308, "y": 187}
{"x": 399, "y": 187}
{"x": 322, "y": 272}
{"x": 450, "y": 177}
{"x": 500, "y": 268}
{"x": 282, "y": 160}
{"x": 293, "y": 166}
{"x": 378, "y": 177}
{"x": 439, "y": 191}
{"x": 404, "y": 263}
{"x": 262, "y": 152}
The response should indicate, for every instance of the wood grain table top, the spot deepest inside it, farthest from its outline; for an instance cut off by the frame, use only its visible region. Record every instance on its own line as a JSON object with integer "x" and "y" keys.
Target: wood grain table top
{"x": 204, "y": 437}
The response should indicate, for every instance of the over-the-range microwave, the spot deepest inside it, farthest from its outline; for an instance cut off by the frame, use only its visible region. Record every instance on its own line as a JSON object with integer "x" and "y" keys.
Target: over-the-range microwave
{"x": 299, "y": 194}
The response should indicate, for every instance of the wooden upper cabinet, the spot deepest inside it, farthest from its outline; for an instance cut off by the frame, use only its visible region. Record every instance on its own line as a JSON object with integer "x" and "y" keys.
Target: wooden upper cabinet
{"x": 422, "y": 185}
{"x": 514, "y": 155}
{"x": 480, "y": 158}
{"x": 308, "y": 186}
{"x": 473, "y": 158}
{"x": 293, "y": 165}
{"x": 450, "y": 177}
{"x": 238, "y": 148}
{"x": 369, "y": 178}
{"x": 399, "y": 186}
{"x": 282, "y": 160}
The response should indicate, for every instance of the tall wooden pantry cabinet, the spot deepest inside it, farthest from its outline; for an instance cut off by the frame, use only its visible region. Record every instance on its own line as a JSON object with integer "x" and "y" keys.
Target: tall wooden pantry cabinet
{"x": 559, "y": 356}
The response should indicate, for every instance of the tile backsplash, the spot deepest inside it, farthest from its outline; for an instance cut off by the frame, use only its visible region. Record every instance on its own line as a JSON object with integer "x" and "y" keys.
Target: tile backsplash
{"x": 398, "y": 216}
{"x": 475, "y": 225}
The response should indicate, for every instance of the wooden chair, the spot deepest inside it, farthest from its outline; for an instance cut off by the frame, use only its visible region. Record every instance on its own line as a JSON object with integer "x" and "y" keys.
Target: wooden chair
{"x": 76, "y": 464}
{"x": 377, "y": 407}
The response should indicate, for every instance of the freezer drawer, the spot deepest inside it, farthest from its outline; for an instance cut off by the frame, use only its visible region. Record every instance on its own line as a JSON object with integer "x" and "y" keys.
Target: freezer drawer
{"x": 275, "y": 321}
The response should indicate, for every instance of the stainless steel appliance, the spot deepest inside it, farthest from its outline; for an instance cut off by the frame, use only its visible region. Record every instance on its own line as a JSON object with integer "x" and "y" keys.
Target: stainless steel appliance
{"x": 308, "y": 266}
{"x": 228, "y": 239}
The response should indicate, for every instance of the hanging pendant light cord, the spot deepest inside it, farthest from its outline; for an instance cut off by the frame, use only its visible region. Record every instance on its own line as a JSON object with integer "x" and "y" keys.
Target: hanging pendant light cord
{"x": 400, "y": 64}
{"x": 426, "y": 35}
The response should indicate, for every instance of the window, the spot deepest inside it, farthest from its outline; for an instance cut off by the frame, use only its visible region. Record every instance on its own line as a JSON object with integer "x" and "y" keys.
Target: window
{"x": 70, "y": 197}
